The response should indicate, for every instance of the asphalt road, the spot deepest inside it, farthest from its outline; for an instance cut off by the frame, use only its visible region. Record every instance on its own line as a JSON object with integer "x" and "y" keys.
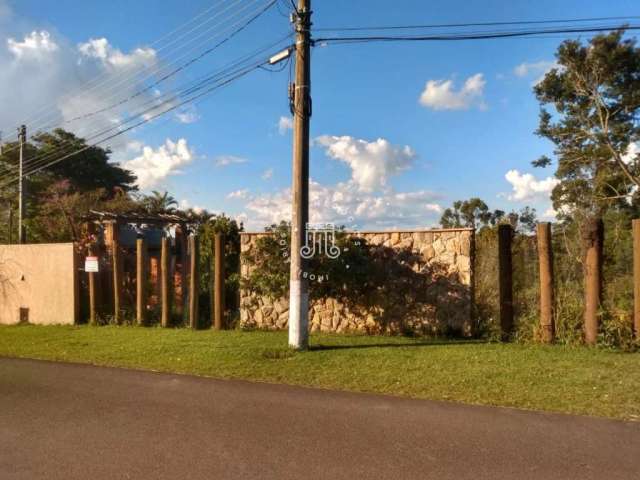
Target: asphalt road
{"x": 61, "y": 421}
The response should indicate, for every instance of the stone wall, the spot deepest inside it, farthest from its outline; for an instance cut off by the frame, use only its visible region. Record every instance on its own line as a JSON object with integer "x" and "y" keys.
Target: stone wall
{"x": 428, "y": 289}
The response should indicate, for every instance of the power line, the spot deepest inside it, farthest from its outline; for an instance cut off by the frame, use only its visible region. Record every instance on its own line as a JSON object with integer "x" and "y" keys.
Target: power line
{"x": 182, "y": 67}
{"x": 175, "y": 71}
{"x": 477, "y": 24}
{"x": 222, "y": 78}
{"x": 146, "y": 120}
{"x": 169, "y": 97}
{"x": 115, "y": 83}
{"x": 471, "y": 35}
{"x": 104, "y": 74}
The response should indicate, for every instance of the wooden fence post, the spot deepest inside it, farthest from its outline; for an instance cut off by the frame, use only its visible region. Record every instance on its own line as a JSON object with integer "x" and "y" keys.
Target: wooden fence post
{"x": 194, "y": 282}
{"x": 505, "y": 280}
{"x": 218, "y": 283}
{"x": 636, "y": 278}
{"x": 117, "y": 275}
{"x": 592, "y": 236}
{"x": 141, "y": 281}
{"x": 93, "y": 304}
{"x": 164, "y": 283}
{"x": 545, "y": 260}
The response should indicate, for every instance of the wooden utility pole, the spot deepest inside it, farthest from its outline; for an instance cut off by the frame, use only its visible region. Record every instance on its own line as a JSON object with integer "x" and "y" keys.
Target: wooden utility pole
{"x": 117, "y": 274}
{"x": 141, "y": 282}
{"x": 545, "y": 261}
{"x": 164, "y": 283}
{"x": 593, "y": 239}
{"x": 218, "y": 283}
{"x": 636, "y": 278}
{"x": 194, "y": 282}
{"x": 22, "y": 205}
{"x": 299, "y": 287}
{"x": 505, "y": 280}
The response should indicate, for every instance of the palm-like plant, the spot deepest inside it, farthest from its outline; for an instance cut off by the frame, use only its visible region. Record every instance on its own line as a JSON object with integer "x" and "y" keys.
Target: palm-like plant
{"x": 159, "y": 202}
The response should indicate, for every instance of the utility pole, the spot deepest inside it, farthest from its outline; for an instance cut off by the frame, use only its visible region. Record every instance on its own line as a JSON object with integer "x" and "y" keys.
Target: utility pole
{"x": 22, "y": 135}
{"x": 299, "y": 286}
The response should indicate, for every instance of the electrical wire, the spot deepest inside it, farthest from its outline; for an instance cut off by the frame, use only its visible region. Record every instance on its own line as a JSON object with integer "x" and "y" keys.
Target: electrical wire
{"x": 175, "y": 95}
{"x": 222, "y": 78}
{"x": 477, "y": 24}
{"x": 174, "y": 72}
{"x": 156, "y": 70}
{"x": 471, "y": 36}
{"x": 144, "y": 121}
{"x": 108, "y": 74}
{"x": 191, "y": 61}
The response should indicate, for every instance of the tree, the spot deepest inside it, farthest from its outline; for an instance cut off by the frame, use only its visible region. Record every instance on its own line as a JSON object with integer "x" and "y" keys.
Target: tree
{"x": 60, "y": 194}
{"x": 594, "y": 93}
{"x": 87, "y": 170}
{"x": 474, "y": 213}
{"x": 159, "y": 202}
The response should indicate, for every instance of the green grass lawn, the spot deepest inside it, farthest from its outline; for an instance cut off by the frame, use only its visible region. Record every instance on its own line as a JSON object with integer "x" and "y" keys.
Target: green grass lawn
{"x": 563, "y": 379}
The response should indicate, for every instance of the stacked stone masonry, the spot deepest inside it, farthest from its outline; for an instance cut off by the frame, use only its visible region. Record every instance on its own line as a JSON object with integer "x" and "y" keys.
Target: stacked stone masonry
{"x": 433, "y": 294}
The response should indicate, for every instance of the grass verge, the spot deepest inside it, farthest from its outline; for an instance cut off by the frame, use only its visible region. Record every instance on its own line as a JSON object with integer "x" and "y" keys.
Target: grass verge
{"x": 575, "y": 380}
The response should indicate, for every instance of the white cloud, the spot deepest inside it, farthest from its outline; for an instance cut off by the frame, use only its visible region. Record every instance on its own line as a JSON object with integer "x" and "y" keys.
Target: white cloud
{"x": 267, "y": 174}
{"x": 285, "y": 124}
{"x": 226, "y": 160}
{"x": 343, "y": 204}
{"x": 534, "y": 68}
{"x": 101, "y": 50}
{"x": 239, "y": 194}
{"x": 526, "y": 187}
{"x": 441, "y": 95}
{"x": 187, "y": 117}
{"x": 185, "y": 204}
{"x": 153, "y": 166}
{"x": 539, "y": 69}
{"x": 36, "y": 44}
{"x": 632, "y": 152}
{"x": 371, "y": 163}
{"x": 45, "y": 77}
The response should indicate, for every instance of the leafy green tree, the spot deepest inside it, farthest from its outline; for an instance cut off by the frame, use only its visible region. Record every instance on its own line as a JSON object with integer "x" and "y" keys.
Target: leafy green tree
{"x": 475, "y": 213}
{"x": 589, "y": 110}
{"x": 87, "y": 170}
{"x": 60, "y": 194}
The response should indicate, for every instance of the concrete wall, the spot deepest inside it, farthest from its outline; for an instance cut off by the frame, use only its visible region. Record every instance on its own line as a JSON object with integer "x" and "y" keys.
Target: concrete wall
{"x": 42, "y": 278}
{"x": 428, "y": 289}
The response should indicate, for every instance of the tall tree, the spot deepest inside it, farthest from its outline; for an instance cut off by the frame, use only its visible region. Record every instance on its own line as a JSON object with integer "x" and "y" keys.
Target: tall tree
{"x": 594, "y": 95}
{"x": 475, "y": 213}
{"x": 159, "y": 202}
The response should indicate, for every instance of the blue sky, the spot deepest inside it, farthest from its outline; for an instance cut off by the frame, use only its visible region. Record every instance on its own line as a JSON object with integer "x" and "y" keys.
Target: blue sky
{"x": 381, "y": 157}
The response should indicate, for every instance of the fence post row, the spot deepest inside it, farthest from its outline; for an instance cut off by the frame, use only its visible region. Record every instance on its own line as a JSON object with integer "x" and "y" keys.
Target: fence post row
{"x": 636, "y": 278}
{"x": 218, "y": 283}
{"x": 164, "y": 283}
{"x": 505, "y": 277}
{"x": 141, "y": 282}
{"x": 117, "y": 273}
{"x": 92, "y": 250}
{"x": 545, "y": 261}
{"x": 194, "y": 284}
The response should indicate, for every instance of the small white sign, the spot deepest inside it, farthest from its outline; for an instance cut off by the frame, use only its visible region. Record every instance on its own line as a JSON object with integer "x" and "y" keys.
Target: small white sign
{"x": 91, "y": 264}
